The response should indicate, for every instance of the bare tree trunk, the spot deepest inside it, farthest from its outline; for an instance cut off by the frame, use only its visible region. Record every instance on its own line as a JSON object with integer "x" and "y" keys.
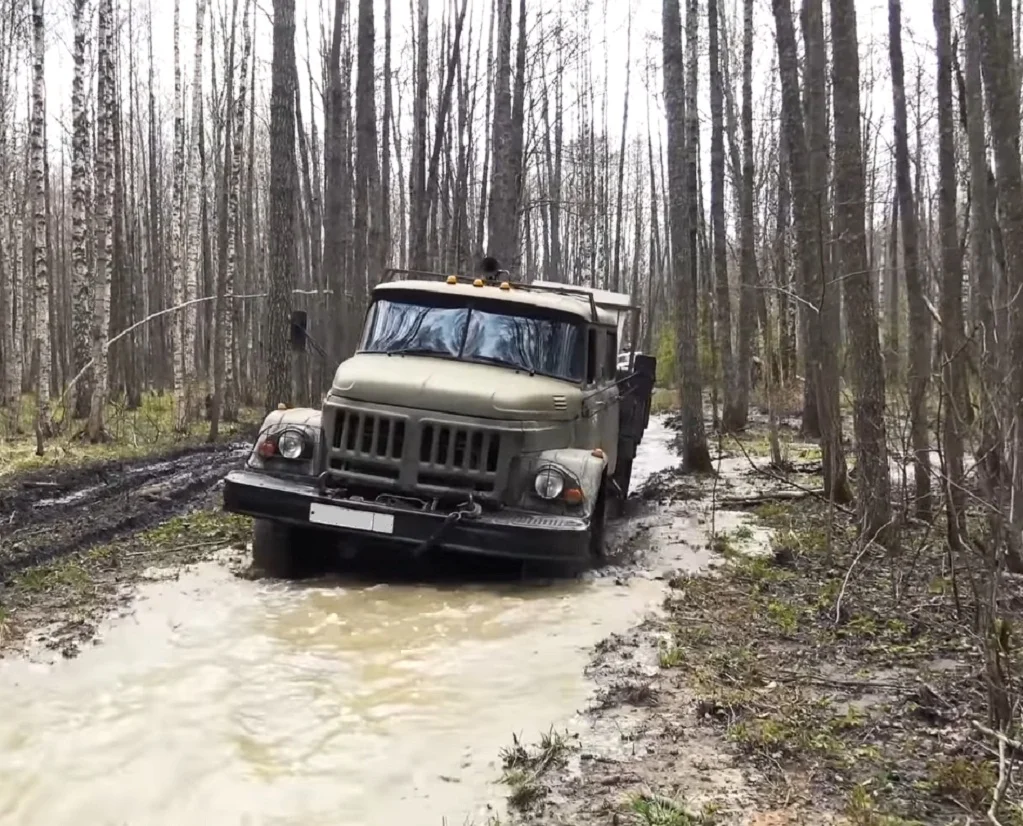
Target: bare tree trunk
{"x": 1004, "y": 112}
{"x": 225, "y": 380}
{"x": 981, "y": 260}
{"x": 893, "y": 344}
{"x": 732, "y": 417}
{"x": 621, "y": 158}
{"x": 807, "y": 226}
{"x": 418, "y": 205}
{"x": 177, "y": 217}
{"x": 501, "y": 218}
{"x": 81, "y": 316}
{"x": 748, "y": 255}
{"x": 824, "y": 290}
{"x": 874, "y": 481}
{"x": 695, "y": 455}
{"x": 919, "y": 327}
{"x": 955, "y": 392}
{"x": 41, "y": 332}
{"x": 104, "y": 218}
{"x": 283, "y": 176}
{"x": 194, "y": 192}
{"x": 385, "y": 160}
{"x": 365, "y": 149}
{"x": 336, "y": 187}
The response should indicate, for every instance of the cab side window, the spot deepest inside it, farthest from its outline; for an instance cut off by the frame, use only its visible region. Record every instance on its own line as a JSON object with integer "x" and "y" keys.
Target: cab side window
{"x": 611, "y": 355}
{"x": 592, "y": 355}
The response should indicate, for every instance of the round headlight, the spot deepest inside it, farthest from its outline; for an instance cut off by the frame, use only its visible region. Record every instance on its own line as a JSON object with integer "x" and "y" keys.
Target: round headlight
{"x": 291, "y": 444}
{"x": 549, "y": 483}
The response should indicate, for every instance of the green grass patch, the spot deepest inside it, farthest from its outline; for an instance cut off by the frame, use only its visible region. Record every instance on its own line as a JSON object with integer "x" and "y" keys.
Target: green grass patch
{"x": 654, "y": 810}
{"x": 807, "y": 669}
{"x": 129, "y": 434}
{"x": 664, "y": 400}
{"x": 524, "y": 767}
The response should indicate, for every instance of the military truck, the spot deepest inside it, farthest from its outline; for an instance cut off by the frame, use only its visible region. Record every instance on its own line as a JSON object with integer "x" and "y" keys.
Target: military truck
{"x": 477, "y": 415}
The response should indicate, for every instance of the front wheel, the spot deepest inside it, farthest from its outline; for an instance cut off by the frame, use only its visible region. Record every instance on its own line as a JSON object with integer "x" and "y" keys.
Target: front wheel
{"x": 282, "y": 551}
{"x": 272, "y": 552}
{"x": 622, "y": 478}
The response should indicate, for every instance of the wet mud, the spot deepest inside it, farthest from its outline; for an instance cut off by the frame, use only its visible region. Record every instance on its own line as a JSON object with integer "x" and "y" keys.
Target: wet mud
{"x": 377, "y": 693}
{"x": 47, "y": 514}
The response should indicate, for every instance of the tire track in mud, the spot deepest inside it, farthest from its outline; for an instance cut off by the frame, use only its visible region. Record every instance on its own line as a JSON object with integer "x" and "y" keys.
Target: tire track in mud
{"x": 47, "y": 514}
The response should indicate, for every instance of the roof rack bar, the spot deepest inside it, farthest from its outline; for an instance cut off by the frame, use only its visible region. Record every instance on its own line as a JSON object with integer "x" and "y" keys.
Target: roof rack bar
{"x": 558, "y": 289}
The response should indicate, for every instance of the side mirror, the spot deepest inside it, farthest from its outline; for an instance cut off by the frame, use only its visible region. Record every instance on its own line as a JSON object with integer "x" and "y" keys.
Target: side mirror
{"x": 299, "y": 321}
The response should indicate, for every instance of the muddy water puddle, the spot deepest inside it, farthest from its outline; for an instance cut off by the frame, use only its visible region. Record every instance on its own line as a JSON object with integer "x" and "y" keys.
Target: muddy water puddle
{"x": 226, "y": 701}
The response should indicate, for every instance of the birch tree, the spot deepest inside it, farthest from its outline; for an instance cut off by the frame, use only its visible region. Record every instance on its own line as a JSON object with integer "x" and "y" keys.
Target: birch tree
{"x": 40, "y": 241}
{"x": 81, "y": 284}
{"x": 283, "y": 177}
{"x": 104, "y": 190}
{"x": 177, "y": 217}
{"x": 501, "y": 218}
{"x": 194, "y": 193}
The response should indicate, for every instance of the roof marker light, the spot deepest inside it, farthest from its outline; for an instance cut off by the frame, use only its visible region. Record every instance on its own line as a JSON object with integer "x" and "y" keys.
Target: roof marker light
{"x": 478, "y": 282}
{"x": 505, "y": 285}
{"x": 452, "y": 279}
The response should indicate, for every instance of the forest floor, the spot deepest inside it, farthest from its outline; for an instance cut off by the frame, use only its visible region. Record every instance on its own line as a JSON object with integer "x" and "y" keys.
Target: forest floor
{"x": 800, "y": 681}
{"x": 83, "y": 521}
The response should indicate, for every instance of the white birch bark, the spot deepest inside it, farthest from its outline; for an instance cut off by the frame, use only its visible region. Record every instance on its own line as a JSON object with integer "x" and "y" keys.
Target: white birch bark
{"x": 81, "y": 287}
{"x": 227, "y": 316}
{"x": 177, "y": 279}
{"x": 193, "y": 247}
{"x": 104, "y": 218}
{"x": 41, "y": 332}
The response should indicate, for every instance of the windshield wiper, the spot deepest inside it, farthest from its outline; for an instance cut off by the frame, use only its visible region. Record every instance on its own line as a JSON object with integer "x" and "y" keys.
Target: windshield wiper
{"x": 418, "y": 351}
{"x": 501, "y": 363}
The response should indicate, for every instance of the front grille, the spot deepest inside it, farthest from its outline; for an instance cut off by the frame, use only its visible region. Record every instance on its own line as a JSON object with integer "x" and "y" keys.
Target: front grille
{"x": 425, "y": 455}
{"x": 369, "y": 435}
{"x": 457, "y": 448}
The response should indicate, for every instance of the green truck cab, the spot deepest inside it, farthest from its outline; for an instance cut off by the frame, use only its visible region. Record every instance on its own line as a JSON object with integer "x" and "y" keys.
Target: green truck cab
{"x": 477, "y": 415}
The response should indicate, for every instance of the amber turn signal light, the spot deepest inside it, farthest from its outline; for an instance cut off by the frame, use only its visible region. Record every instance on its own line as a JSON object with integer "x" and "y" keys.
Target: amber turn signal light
{"x": 573, "y": 496}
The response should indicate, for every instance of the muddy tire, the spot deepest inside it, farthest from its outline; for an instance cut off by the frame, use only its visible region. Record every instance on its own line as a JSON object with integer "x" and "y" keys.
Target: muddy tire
{"x": 273, "y": 551}
{"x": 598, "y": 528}
{"x": 619, "y": 494}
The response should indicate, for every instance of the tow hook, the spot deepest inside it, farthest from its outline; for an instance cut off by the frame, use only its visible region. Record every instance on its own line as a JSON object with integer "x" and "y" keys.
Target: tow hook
{"x": 471, "y": 509}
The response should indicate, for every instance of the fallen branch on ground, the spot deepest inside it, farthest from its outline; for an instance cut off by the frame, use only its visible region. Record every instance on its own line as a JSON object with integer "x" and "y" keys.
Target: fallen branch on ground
{"x": 817, "y": 494}
{"x": 761, "y": 498}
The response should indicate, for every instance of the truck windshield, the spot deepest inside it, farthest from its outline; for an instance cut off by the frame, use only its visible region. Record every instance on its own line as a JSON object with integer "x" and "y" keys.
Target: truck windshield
{"x": 548, "y": 344}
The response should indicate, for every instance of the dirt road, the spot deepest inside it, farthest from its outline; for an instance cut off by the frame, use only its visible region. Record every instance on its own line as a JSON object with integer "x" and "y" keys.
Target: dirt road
{"x": 362, "y": 698}
{"x": 73, "y": 539}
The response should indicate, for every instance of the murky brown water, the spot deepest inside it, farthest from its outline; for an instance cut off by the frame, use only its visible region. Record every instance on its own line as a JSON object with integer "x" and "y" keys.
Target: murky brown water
{"x": 225, "y": 701}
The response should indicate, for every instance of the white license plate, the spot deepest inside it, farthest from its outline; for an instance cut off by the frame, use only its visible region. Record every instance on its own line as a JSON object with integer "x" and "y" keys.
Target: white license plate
{"x": 339, "y": 517}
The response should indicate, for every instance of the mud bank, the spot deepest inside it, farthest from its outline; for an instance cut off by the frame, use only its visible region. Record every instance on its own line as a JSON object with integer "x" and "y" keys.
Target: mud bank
{"x": 73, "y": 540}
{"x": 781, "y": 684}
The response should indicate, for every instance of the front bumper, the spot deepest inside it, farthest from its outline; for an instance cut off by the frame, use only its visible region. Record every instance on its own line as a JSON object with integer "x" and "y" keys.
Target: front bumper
{"x": 507, "y": 533}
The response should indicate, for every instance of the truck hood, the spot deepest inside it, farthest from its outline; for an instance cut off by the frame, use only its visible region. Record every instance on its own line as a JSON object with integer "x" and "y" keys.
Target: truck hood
{"x": 456, "y": 387}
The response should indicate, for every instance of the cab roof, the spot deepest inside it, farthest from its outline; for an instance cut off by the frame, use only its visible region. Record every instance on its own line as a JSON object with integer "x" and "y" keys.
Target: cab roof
{"x": 572, "y": 300}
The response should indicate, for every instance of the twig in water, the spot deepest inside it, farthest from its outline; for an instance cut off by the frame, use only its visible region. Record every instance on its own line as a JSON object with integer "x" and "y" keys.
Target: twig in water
{"x": 191, "y": 546}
